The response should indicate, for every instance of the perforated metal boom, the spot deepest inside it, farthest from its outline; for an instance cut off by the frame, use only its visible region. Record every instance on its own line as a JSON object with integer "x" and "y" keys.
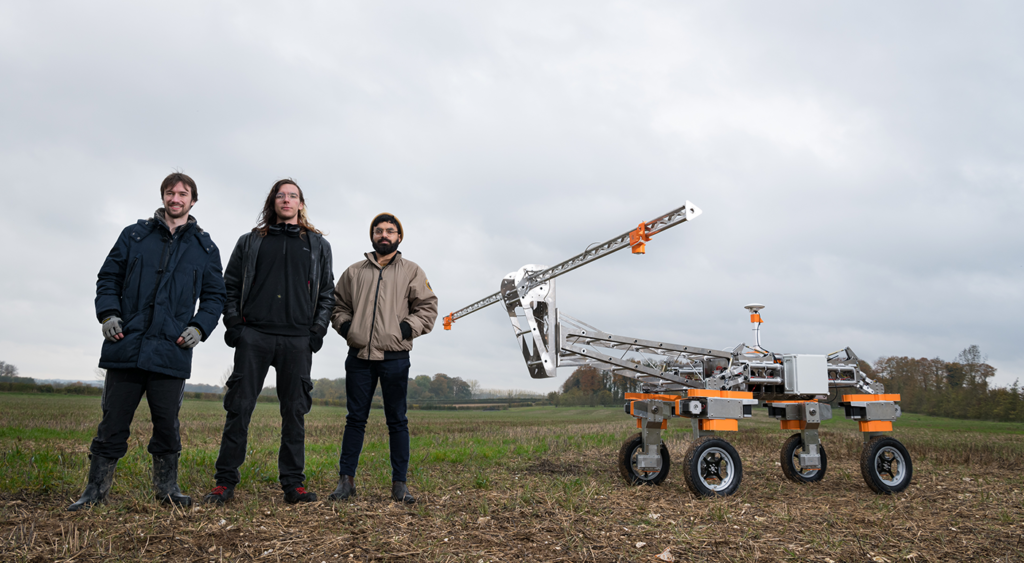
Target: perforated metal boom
{"x": 631, "y": 239}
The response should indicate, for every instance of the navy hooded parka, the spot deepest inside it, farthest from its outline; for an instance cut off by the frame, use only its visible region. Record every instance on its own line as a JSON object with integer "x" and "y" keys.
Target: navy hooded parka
{"x": 152, "y": 280}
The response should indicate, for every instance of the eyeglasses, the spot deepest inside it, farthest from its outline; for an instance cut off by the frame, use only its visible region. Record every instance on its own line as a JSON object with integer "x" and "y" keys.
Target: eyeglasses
{"x": 282, "y": 195}
{"x": 379, "y": 232}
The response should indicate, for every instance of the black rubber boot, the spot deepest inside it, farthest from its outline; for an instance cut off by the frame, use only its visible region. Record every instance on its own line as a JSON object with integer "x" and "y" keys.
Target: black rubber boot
{"x": 400, "y": 493}
{"x": 346, "y": 488}
{"x": 165, "y": 480}
{"x": 101, "y": 477}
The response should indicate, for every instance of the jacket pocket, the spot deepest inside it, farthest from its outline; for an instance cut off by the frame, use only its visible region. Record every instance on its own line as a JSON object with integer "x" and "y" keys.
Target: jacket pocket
{"x": 183, "y": 292}
{"x": 130, "y": 289}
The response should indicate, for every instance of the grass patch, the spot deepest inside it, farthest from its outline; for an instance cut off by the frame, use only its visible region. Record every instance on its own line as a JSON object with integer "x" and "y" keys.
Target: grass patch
{"x": 535, "y": 483}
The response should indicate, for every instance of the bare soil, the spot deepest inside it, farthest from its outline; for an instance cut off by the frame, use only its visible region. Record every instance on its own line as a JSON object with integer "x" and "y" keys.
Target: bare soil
{"x": 569, "y": 508}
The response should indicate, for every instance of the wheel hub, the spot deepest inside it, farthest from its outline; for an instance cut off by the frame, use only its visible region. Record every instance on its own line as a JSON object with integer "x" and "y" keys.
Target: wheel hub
{"x": 890, "y": 465}
{"x": 716, "y": 469}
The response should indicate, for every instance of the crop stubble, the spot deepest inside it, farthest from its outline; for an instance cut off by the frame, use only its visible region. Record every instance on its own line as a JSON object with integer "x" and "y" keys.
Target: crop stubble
{"x": 525, "y": 484}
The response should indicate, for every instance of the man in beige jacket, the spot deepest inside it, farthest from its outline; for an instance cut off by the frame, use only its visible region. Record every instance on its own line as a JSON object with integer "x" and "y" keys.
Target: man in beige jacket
{"x": 381, "y": 304}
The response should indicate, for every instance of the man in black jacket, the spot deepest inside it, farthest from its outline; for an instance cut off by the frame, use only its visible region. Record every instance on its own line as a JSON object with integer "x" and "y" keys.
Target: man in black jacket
{"x": 146, "y": 296}
{"x": 280, "y": 293}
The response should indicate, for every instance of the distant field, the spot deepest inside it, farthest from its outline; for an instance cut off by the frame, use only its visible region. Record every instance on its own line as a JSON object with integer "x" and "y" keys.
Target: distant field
{"x": 536, "y": 483}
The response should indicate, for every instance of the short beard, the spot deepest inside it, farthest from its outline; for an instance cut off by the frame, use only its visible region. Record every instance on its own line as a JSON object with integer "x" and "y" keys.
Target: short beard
{"x": 383, "y": 247}
{"x": 168, "y": 213}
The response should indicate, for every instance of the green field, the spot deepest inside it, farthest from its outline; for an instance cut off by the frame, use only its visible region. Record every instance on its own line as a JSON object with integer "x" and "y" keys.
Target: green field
{"x": 536, "y": 483}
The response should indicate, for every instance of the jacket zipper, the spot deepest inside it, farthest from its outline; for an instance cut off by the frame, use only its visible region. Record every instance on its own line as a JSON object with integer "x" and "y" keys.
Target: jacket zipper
{"x": 245, "y": 278}
{"x": 312, "y": 269}
{"x": 314, "y": 297}
{"x": 241, "y": 298}
{"x": 165, "y": 256}
{"x": 194, "y": 279}
{"x": 373, "y": 321}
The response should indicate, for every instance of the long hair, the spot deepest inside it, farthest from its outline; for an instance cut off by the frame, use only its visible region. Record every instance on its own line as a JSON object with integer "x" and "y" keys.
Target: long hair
{"x": 268, "y": 216}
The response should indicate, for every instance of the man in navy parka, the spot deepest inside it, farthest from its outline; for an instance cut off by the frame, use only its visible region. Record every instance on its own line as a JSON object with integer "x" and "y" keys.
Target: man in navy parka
{"x": 146, "y": 296}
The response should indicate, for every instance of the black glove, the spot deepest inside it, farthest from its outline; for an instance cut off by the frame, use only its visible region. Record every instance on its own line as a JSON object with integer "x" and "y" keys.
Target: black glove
{"x": 316, "y": 338}
{"x": 232, "y": 335}
{"x": 343, "y": 329}
{"x": 406, "y": 330}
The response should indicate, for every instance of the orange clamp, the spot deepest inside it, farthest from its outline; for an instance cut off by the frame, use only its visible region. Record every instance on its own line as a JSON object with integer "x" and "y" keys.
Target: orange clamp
{"x": 448, "y": 322}
{"x": 638, "y": 237}
{"x": 755, "y": 318}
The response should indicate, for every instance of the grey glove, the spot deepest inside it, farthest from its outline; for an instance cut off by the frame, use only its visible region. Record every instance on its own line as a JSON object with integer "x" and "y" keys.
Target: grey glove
{"x": 112, "y": 328}
{"x": 190, "y": 338}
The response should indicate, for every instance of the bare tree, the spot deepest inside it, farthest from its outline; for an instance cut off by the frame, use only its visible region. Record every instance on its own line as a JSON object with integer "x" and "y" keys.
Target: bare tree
{"x": 474, "y": 387}
{"x": 974, "y": 366}
{"x": 8, "y": 370}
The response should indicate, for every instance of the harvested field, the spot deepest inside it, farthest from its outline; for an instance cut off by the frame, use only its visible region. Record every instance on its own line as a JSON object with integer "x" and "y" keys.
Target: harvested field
{"x": 537, "y": 484}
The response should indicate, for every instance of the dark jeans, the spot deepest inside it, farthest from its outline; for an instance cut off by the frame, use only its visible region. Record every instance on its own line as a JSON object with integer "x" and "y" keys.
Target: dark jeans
{"x": 292, "y": 358}
{"x": 361, "y": 377}
{"x": 122, "y": 392}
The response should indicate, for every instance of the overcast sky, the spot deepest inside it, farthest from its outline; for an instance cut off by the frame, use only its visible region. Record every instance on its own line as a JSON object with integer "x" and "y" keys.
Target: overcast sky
{"x": 860, "y": 166}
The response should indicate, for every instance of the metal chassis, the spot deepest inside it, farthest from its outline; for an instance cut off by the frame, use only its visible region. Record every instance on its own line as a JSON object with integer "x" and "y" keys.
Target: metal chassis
{"x": 715, "y": 389}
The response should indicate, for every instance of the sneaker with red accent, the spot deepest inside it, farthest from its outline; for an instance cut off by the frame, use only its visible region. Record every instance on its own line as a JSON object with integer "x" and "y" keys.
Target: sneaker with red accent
{"x": 219, "y": 495}
{"x": 297, "y": 495}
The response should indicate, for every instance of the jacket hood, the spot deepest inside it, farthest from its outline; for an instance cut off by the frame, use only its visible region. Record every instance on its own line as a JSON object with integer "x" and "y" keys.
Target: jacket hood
{"x": 160, "y": 216}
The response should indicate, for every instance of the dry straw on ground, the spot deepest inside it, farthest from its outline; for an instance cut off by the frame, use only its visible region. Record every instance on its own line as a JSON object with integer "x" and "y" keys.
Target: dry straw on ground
{"x": 564, "y": 504}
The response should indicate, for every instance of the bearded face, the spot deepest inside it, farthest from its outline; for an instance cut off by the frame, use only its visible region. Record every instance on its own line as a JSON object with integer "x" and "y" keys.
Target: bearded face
{"x": 384, "y": 247}
{"x": 386, "y": 238}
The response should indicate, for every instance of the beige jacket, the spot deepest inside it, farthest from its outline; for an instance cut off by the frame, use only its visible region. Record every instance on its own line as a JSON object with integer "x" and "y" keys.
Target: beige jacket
{"x": 376, "y": 300}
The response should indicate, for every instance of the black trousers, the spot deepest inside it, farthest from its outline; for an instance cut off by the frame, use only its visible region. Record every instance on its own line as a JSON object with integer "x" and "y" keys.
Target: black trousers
{"x": 122, "y": 392}
{"x": 361, "y": 377}
{"x": 292, "y": 358}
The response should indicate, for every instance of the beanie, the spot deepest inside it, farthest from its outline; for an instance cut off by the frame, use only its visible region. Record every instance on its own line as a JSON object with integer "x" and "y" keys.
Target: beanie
{"x": 382, "y": 217}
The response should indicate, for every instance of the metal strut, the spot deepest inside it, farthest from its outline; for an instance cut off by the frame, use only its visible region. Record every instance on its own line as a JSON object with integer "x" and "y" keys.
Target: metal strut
{"x": 631, "y": 239}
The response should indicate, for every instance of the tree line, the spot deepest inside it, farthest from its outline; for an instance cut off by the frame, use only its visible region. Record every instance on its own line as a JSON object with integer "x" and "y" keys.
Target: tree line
{"x": 11, "y": 382}
{"x": 440, "y": 387}
{"x": 589, "y": 387}
{"x": 956, "y": 389}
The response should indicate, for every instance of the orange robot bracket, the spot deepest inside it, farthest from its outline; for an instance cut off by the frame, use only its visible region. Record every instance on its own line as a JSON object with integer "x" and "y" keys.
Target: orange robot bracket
{"x": 638, "y": 237}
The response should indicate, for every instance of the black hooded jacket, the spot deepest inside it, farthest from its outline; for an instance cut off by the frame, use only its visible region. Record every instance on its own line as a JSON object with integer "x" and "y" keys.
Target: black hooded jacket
{"x": 238, "y": 277}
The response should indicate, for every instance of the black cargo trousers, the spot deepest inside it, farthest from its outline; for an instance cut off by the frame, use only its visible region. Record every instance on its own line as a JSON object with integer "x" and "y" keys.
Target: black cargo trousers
{"x": 292, "y": 359}
{"x": 122, "y": 392}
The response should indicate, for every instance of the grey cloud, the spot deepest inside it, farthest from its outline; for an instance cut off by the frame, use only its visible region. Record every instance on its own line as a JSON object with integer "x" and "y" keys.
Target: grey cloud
{"x": 859, "y": 167}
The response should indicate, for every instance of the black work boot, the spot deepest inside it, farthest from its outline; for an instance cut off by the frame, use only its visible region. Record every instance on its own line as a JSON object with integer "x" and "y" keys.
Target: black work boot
{"x": 101, "y": 477}
{"x": 220, "y": 494}
{"x": 165, "y": 480}
{"x": 297, "y": 495}
{"x": 346, "y": 488}
{"x": 400, "y": 493}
